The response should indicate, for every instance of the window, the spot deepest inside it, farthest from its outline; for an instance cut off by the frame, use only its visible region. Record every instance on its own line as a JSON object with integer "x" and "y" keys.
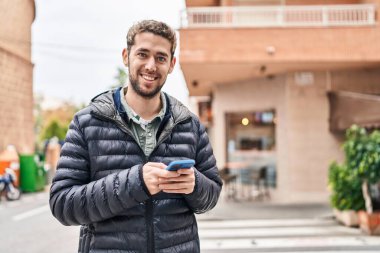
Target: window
{"x": 251, "y": 141}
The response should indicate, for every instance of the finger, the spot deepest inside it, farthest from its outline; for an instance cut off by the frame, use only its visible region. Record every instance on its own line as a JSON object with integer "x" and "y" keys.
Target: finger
{"x": 181, "y": 191}
{"x": 181, "y": 178}
{"x": 163, "y": 180}
{"x": 168, "y": 174}
{"x": 175, "y": 186}
{"x": 156, "y": 165}
{"x": 186, "y": 171}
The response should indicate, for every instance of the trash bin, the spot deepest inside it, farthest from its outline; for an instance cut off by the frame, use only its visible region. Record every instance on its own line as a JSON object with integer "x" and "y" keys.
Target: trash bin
{"x": 32, "y": 173}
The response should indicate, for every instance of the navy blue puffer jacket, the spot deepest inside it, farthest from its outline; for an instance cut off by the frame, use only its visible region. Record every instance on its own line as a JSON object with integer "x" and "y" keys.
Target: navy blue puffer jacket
{"x": 99, "y": 183}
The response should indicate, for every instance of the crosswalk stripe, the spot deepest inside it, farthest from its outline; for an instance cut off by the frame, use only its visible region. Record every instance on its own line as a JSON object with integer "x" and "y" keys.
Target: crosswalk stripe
{"x": 315, "y": 242}
{"x": 265, "y": 223}
{"x": 276, "y": 232}
{"x": 301, "y": 235}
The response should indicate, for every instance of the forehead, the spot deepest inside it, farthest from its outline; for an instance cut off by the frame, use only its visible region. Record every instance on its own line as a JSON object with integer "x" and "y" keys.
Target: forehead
{"x": 151, "y": 42}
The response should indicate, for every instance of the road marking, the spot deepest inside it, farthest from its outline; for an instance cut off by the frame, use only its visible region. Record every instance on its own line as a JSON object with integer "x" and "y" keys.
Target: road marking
{"x": 217, "y": 224}
{"x": 289, "y": 243}
{"x": 31, "y": 213}
{"x": 301, "y": 235}
{"x": 276, "y": 232}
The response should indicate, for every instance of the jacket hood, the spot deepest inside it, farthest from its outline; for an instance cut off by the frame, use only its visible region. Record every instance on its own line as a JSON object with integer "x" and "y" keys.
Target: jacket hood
{"x": 104, "y": 105}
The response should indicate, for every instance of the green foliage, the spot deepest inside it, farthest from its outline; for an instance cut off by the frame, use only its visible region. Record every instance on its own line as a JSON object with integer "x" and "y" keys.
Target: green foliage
{"x": 354, "y": 145}
{"x": 362, "y": 162}
{"x": 346, "y": 188}
{"x": 363, "y": 153}
{"x": 55, "y": 128}
{"x": 121, "y": 78}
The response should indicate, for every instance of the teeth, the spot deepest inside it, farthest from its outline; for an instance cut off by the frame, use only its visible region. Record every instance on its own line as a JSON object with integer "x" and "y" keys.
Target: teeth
{"x": 149, "y": 78}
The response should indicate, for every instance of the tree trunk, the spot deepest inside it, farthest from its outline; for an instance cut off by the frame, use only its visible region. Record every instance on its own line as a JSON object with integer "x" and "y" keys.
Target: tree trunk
{"x": 367, "y": 197}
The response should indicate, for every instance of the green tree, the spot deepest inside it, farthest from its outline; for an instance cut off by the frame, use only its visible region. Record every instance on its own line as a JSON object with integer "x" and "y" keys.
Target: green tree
{"x": 54, "y": 128}
{"x": 346, "y": 188}
{"x": 350, "y": 181}
{"x": 120, "y": 77}
{"x": 362, "y": 151}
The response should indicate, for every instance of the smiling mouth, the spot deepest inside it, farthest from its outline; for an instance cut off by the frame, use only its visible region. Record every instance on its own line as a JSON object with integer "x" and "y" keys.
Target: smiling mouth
{"x": 148, "y": 78}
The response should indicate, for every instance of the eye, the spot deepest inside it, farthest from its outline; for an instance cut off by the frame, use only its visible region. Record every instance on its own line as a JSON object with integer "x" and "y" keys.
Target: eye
{"x": 161, "y": 59}
{"x": 142, "y": 55}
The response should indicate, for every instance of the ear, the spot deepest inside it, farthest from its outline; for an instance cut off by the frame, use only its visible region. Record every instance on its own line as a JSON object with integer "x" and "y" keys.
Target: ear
{"x": 125, "y": 57}
{"x": 172, "y": 64}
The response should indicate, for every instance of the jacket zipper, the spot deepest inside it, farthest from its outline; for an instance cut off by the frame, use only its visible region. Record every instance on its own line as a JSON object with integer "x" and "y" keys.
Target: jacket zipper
{"x": 149, "y": 203}
{"x": 149, "y": 223}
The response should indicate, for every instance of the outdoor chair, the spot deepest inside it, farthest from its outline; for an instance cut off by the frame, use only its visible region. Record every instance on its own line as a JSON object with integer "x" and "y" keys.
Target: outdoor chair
{"x": 230, "y": 182}
{"x": 260, "y": 182}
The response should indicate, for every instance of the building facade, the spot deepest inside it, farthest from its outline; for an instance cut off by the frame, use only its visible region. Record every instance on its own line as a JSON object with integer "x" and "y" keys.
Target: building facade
{"x": 263, "y": 76}
{"x": 16, "y": 75}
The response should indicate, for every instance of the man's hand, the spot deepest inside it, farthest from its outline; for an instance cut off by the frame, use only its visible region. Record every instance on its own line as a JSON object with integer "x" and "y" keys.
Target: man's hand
{"x": 184, "y": 183}
{"x": 152, "y": 172}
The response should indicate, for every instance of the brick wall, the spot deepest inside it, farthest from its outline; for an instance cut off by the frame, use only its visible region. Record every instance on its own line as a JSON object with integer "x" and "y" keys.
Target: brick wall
{"x": 16, "y": 75}
{"x": 16, "y": 102}
{"x": 16, "y": 17}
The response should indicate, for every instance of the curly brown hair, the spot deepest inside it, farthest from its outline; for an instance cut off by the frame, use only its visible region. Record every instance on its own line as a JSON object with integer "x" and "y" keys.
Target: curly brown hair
{"x": 155, "y": 27}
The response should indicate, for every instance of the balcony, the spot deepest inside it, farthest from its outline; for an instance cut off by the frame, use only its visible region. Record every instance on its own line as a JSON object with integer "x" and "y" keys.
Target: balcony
{"x": 223, "y": 45}
{"x": 279, "y": 16}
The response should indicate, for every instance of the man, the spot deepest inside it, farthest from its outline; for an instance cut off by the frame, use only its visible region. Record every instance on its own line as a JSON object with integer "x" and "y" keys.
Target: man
{"x": 111, "y": 176}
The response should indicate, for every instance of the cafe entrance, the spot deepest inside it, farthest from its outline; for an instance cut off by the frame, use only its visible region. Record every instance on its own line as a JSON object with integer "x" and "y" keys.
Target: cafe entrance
{"x": 251, "y": 152}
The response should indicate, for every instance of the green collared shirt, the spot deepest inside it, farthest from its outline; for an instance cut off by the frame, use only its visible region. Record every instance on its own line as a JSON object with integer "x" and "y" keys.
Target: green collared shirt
{"x": 143, "y": 130}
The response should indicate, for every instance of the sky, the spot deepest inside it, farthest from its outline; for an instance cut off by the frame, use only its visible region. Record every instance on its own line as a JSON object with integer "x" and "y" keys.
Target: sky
{"x": 77, "y": 45}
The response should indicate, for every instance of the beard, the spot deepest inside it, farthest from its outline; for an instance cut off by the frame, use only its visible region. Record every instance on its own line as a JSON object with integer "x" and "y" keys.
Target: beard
{"x": 145, "y": 94}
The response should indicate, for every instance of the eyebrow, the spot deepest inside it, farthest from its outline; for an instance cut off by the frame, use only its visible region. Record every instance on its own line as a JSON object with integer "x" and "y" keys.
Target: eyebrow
{"x": 147, "y": 51}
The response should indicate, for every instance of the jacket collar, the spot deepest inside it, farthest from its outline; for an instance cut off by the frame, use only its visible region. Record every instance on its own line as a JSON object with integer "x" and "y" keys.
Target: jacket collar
{"x": 108, "y": 104}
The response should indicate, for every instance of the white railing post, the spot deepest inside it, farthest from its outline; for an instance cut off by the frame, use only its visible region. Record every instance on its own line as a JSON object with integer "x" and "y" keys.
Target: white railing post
{"x": 183, "y": 18}
{"x": 325, "y": 16}
{"x": 280, "y": 16}
{"x": 371, "y": 14}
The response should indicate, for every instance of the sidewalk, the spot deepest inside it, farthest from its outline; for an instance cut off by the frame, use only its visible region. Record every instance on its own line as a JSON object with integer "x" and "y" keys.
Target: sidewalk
{"x": 265, "y": 210}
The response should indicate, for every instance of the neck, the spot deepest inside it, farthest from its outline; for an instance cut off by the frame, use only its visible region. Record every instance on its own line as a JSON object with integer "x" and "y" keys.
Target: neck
{"x": 147, "y": 108}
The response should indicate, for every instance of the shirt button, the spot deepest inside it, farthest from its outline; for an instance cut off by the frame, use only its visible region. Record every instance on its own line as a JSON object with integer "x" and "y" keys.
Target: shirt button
{"x": 149, "y": 134}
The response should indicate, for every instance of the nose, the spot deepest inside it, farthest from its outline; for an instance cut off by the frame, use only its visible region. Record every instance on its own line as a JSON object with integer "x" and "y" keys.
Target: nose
{"x": 150, "y": 64}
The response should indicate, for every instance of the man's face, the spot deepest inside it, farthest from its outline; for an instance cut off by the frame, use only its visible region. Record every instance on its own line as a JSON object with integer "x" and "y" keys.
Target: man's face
{"x": 149, "y": 63}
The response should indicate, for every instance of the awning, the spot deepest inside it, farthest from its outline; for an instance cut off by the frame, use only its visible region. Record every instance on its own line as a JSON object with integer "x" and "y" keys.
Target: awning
{"x": 347, "y": 108}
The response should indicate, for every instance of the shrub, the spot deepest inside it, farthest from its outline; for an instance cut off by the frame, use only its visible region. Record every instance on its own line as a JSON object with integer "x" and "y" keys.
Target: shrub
{"x": 360, "y": 169}
{"x": 346, "y": 188}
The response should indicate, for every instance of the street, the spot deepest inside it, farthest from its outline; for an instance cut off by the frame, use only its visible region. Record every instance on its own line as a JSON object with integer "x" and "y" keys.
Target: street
{"x": 28, "y": 226}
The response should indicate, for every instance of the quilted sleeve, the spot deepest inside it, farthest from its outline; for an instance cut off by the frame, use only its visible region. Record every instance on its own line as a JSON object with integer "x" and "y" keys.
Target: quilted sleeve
{"x": 208, "y": 183}
{"x": 75, "y": 200}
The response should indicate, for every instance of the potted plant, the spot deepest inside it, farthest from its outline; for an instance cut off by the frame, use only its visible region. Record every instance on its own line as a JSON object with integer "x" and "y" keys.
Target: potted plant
{"x": 346, "y": 198}
{"x": 363, "y": 158}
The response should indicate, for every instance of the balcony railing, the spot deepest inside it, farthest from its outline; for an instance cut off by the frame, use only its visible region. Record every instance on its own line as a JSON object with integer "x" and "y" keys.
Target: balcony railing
{"x": 280, "y": 16}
